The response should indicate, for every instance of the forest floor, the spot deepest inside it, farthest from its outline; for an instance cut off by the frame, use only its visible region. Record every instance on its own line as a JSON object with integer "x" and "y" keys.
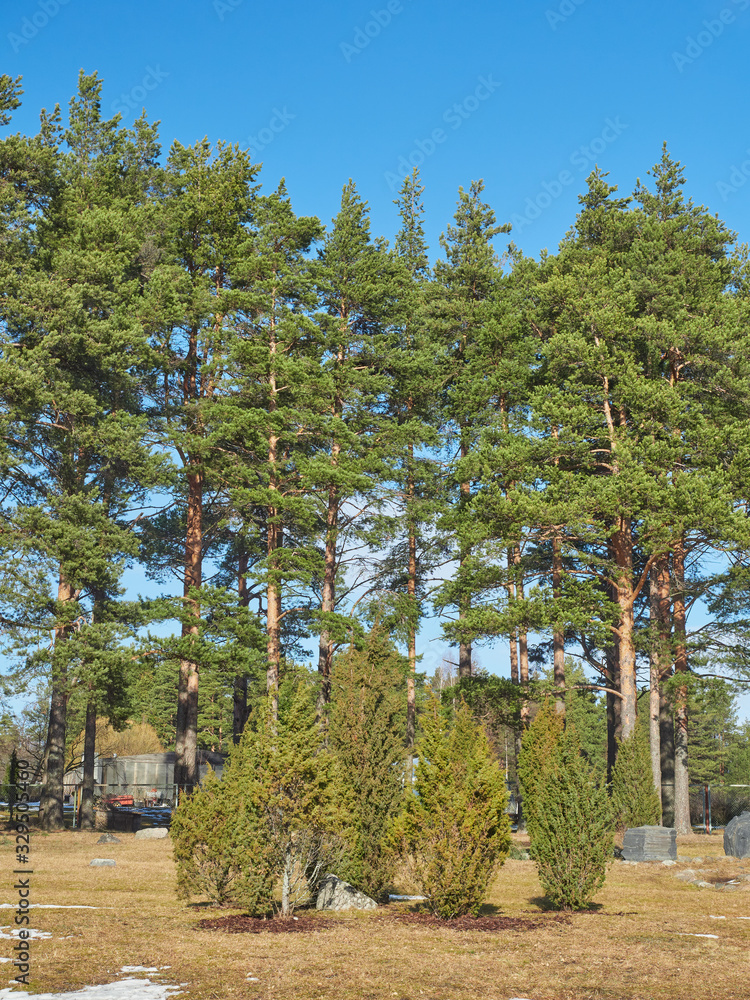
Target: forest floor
{"x": 650, "y": 936}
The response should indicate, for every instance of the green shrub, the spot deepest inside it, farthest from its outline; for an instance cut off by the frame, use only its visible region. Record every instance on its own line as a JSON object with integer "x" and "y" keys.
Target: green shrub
{"x": 537, "y": 748}
{"x": 454, "y": 833}
{"x": 219, "y": 850}
{"x": 367, "y": 733}
{"x": 274, "y": 817}
{"x": 634, "y": 798}
{"x": 572, "y": 834}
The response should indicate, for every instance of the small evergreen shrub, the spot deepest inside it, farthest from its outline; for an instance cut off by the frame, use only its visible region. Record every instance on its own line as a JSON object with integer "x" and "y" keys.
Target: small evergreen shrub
{"x": 572, "y": 832}
{"x": 219, "y": 850}
{"x": 454, "y": 834}
{"x": 634, "y": 798}
{"x": 537, "y": 749}
{"x": 367, "y": 731}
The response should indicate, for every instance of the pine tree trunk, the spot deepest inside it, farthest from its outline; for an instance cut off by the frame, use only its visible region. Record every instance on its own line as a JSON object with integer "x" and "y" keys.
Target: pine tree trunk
{"x": 325, "y": 654}
{"x": 614, "y": 718}
{"x": 186, "y": 766}
{"x": 622, "y": 546}
{"x": 239, "y": 686}
{"x": 51, "y": 800}
{"x": 558, "y": 635}
{"x": 89, "y": 761}
{"x": 666, "y": 743}
{"x": 660, "y": 660}
{"x": 514, "y": 631}
{"x": 274, "y": 540}
{"x": 681, "y": 775}
{"x": 464, "y": 604}
{"x": 411, "y": 689}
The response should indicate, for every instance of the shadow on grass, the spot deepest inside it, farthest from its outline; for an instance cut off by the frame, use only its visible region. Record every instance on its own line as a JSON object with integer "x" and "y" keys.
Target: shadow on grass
{"x": 547, "y": 906}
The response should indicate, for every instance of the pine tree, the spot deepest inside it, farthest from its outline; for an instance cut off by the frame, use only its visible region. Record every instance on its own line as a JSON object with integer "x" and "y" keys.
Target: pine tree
{"x": 354, "y": 275}
{"x": 72, "y": 392}
{"x": 454, "y": 833}
{"x": 465, "y": 289}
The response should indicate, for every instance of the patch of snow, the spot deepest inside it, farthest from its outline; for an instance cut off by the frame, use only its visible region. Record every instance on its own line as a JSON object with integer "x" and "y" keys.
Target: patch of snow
{"x": 53, "y": 906}
{"x": 16, "y": 933}
{"x": 686, "y": 934}
{"x": 125, "y": 989}
{"x": 392, "y": 896}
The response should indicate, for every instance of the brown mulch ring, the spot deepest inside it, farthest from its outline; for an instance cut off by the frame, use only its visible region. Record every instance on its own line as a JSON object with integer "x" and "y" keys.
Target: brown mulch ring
{"x": 492, "y": 923}
{"x": 257, "y": 925}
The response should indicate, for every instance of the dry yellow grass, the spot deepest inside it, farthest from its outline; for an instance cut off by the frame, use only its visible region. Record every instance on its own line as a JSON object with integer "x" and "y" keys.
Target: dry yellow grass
{"x": 631, "y": 948}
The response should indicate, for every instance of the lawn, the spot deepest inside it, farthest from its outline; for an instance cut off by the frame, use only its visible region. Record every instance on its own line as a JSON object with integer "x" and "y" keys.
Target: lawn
{"x": 638, "y": 944}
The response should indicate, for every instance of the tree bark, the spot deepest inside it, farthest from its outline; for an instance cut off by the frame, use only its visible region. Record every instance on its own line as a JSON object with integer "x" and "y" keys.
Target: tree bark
{"x": 411, "y": 689}
{"x": 328, "y": 601}
{"x": 681, "y": 775}
{"x": 51, "y": 800}
{"x": 558, "y": 635}
{"x": 89, "y": 761}
{"x": 660, "y": 660}
{"x": 614, "y": 716}
{"x": 239, "y": 687}
{"x": 464, "y": 604}
{"x": 514, "y": 631}
{"x": 186, "y": 765}
{"x": 622, "y": 548}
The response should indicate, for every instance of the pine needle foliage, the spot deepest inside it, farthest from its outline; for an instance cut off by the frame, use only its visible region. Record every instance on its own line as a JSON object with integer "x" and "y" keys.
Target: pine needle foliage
{"x": 367, "y": 732}
{"x": 220, "y": 849}
{"x": 454, "y": 833}
{"x": 538, "y": 745}
{"x": 572, "y": 830}
{"x": 634, "y": 797}
{"x": 288, "y": 778}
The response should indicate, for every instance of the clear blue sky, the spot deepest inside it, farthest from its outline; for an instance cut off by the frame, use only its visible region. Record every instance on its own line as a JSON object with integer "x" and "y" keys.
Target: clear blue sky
{"x": 554, "y": 72}
{"x": 527, "y": 96}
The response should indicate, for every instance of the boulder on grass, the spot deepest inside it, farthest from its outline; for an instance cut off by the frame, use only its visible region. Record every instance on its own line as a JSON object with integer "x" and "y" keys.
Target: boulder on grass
{"x": 650, "y": 843}
{"x": 108, "y": 838}
{"x": 334, "y": 894}
{"x": 102, "y": 863}
{"x": 737, "y": 836}
{"x": 152, "y": 833}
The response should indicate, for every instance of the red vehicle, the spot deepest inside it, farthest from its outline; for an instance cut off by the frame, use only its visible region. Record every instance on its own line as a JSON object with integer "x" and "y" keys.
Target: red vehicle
{"x": 118, "y": 800}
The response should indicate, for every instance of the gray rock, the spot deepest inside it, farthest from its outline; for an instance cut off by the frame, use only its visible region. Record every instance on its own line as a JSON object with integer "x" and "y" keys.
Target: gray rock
{"x": 668, "y": 864}
{"x": 108, "y": 838}
{"x": 650, "y": 843}
{"x": 334, "y": 894}
{"x": 687, "y": 875}
{"x": 737, "y": 836}
{"x": 697, "y": 861}
{"x": 704, "y": 885}
{"x": 152, "y": 833}
{"x": 102, "y": 863}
